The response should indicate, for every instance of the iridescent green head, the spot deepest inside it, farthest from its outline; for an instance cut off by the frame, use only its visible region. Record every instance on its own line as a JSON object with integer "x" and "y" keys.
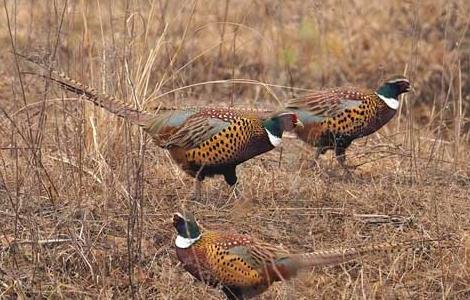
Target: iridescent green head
{"x": 394, "y": 87}
{"x": 186, "y": 225}
{"x": 278, "y": 123}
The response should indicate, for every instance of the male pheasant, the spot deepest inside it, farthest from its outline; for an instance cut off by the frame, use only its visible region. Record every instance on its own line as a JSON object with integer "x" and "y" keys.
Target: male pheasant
{"x": 244, "y": 267}
{"x": 334, "y": 118}
{"x": 203, "y": 141}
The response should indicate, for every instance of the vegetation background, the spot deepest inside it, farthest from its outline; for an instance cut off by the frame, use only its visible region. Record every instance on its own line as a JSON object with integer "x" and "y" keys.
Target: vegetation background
{"x": 86, "y": 198}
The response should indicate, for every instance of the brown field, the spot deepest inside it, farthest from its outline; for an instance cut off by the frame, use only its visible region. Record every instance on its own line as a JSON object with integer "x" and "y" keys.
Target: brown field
{"x": 86, "y": 198}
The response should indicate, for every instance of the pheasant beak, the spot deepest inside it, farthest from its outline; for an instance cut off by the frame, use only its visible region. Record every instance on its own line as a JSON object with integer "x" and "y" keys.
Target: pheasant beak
{"x": 298, "y": 123}
{"x": 176, "y": 218}
{"x": 410, "y": 88}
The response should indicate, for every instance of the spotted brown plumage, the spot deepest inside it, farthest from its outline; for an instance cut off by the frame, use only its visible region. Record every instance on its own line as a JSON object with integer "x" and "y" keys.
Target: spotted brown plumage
{"x": 204, "y": 141}
{"x": 333, "y": 118}
{"x": 245, "y": 267}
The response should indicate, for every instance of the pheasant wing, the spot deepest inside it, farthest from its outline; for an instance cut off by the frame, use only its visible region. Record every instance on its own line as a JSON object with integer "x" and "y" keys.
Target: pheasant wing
{"x": 241, "y": 261}
{"x": 328, "y": 103}
{"x": 195, "y": 131}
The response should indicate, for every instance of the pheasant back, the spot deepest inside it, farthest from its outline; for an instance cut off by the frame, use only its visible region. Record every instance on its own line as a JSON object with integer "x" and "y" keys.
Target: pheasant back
{"x": 234, "y": 144}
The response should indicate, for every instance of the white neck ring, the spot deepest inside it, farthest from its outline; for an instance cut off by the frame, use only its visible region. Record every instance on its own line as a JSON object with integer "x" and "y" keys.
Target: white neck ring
{"x": 274, "y": 140}
{"x": 183, "y": 243}
{"x": 391, "y": 102}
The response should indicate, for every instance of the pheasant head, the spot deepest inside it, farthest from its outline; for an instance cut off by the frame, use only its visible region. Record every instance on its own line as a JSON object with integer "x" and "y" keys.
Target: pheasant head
{"x": 277, "y": 124}
{"x": 392, "y": 88}
{"x": 187, "y": 229}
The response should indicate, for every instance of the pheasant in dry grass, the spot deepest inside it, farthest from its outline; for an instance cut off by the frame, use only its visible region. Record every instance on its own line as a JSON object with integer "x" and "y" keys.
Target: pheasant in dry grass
{"x": 203, "y": 141}
{"x": 244, "y": 267}
{"x": 334, "y": 118}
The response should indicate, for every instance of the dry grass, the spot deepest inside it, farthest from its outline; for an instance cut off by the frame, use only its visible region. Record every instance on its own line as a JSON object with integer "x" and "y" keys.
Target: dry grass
{"x": 85, "y": 198}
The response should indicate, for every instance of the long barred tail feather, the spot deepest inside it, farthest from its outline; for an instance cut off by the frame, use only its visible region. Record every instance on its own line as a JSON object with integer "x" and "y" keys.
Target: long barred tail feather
{"x": 338, "y": 256}
{"x": 110, "y": 103}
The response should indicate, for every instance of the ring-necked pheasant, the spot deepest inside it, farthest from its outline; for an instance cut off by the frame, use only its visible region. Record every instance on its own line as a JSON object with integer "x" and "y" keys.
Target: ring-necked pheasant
{"x": 333, "y": 118}
{"x": 245, "y": 267}
{"x": 204, "y": 141}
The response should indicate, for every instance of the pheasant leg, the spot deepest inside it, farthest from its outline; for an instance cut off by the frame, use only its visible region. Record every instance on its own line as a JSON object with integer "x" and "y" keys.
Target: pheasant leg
{"x": 232, "y": 294}
{"x": 197, "y": 191}
{"x": 319, "y": 151}
{"x": 235, "y": 191}
{"x": 230, "y": 176}
{"x": 341, "y": 158}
